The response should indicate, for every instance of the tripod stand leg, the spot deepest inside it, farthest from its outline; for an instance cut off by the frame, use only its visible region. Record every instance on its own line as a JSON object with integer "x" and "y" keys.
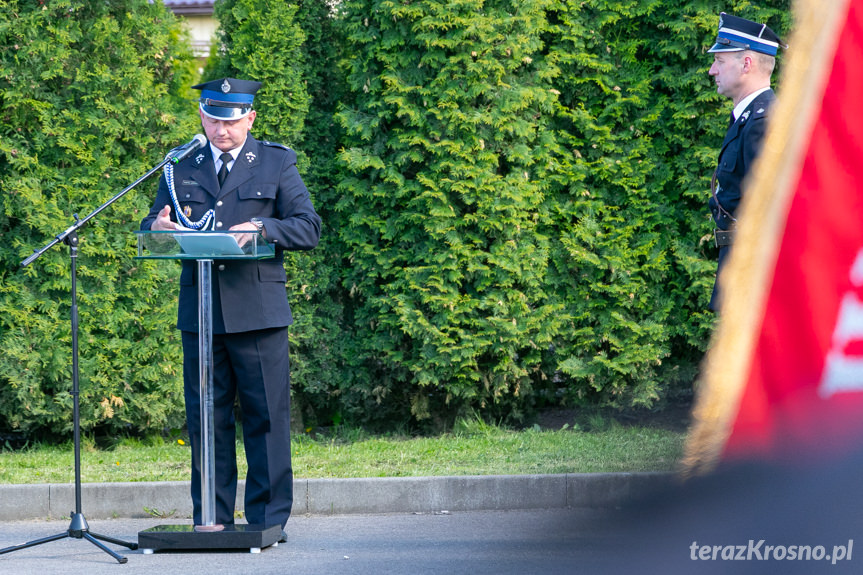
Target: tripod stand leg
{"x": 89, "y": 537}
{"x": 114, "y": 541}
{"x": 34, "y": 542}
{"x": 79, "y": 529}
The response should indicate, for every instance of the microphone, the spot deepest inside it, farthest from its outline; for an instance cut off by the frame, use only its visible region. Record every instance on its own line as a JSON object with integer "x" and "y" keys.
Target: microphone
{"x": 180, "y": 153}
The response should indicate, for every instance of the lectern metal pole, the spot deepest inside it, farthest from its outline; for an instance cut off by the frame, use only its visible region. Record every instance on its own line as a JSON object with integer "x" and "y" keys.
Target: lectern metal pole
{"x": 205, "y": 367}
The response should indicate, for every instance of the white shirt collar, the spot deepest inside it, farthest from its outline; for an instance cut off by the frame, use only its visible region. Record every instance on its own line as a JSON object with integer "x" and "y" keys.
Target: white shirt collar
{"x": 744, "y": 103}
{"x": 217, "y": 153}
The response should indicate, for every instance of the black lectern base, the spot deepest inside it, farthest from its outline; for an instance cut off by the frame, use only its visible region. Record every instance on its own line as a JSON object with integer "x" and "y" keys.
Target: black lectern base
{"x": 186, "y": 538}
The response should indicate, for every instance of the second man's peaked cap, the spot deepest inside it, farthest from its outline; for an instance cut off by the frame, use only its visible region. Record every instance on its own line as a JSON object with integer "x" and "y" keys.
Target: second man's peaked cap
{"x": 227, "y": 98}
{"x": 736, "y": 34}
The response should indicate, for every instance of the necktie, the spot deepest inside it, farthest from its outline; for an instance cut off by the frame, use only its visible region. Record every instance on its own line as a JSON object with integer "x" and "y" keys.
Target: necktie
{"x": 223, "y": 171}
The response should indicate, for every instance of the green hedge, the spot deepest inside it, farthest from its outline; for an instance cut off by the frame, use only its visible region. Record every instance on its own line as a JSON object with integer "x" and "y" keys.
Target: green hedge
{"x": 640, "y": 123}
{"x": 513, "y": 193}
{"x": 92, "y": 96}
{"x": 523, "y": 202}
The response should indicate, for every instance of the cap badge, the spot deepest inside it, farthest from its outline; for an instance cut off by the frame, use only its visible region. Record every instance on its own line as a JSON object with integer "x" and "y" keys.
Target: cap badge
{"x": 226, "y": 87}
{"x": 250, "y": 156}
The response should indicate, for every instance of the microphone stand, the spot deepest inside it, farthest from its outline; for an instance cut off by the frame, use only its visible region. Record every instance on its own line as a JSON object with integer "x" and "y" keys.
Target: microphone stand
{"x": 78, "y": 528}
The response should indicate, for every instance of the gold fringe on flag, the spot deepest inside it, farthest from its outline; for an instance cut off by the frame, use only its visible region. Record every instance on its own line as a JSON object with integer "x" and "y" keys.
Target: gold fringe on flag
{"x": 747, "y": 277}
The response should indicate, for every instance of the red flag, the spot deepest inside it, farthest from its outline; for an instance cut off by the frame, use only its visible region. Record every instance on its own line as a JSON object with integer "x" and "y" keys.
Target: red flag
{"x": 784, "y": 376}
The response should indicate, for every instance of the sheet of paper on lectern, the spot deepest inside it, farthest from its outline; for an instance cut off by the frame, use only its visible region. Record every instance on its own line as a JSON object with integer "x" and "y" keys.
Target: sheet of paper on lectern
{"x": 209, "y": 244}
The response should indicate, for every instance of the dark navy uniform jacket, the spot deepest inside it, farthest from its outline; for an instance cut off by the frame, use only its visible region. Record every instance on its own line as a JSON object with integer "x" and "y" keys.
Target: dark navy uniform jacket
{"x": 263, "y": 183}
{"x": 741, "y": 146}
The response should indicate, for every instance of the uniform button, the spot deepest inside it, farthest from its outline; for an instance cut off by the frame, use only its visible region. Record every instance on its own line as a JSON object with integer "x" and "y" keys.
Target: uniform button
{"x": 222, "y": 267}
{"x": 259, "y": 193}
{"x": 219, "y": 203}
{"x": 218, "y": 224}
{"x": 188, "y": 195}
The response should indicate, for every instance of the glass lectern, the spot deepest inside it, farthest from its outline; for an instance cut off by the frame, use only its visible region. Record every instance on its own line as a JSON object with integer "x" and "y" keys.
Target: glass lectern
{"x": 205, "y": 248}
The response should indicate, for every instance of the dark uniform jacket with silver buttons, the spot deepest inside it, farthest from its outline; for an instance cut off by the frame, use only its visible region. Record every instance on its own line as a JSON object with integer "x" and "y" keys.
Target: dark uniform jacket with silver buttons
{"x": 263, "y": 183}
{"x": 741, "y": 146}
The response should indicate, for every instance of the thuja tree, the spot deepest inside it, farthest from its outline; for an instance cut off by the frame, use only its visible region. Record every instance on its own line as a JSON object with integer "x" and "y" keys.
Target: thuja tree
{"x": 259, "y": 40}
{"x": 610, "y": 251}
{"x": 321, "y": 354}
{"x": 292, "y": 48}
{"x": 446, "y": 158}
{"x": 89, "y": 93}
{"x": 609, "y": 257}
{"x": 640, "y": 123}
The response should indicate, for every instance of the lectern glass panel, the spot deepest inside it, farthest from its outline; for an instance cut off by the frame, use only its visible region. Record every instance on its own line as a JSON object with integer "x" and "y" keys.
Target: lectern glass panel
{"x": 205, "y": 247}
{"x": 194, "y": 245}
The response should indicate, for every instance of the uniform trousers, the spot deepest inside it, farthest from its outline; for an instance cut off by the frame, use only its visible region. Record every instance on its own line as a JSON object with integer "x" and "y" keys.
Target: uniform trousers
{"x": 714, "y": 297}
{"x": 252, "y": 366}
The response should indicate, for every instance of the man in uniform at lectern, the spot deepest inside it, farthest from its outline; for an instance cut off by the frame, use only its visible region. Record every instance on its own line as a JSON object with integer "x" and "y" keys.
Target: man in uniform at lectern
{"x": 238, "y": 183}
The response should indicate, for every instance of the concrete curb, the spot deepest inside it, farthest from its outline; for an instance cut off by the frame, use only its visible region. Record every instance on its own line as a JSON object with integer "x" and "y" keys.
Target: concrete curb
{"x": 343, "y": 496}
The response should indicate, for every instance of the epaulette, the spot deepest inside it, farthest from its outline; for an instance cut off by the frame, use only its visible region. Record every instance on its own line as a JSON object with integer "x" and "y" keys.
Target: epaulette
{"x": 275, "y": 145}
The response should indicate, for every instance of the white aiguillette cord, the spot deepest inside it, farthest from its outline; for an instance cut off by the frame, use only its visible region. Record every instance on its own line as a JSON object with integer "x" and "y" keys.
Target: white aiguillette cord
{"x": 208, "y": 221}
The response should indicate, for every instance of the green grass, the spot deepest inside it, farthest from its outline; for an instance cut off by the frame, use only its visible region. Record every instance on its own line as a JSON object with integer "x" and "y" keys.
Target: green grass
{"x": 473, "y": 448}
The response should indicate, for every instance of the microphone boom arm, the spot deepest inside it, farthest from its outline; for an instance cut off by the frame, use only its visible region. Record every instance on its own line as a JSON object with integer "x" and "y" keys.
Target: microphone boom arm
{"x": 79, "y": 223}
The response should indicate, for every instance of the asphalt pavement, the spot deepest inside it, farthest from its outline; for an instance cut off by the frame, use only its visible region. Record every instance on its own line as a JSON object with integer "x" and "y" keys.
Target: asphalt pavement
{"x": 748, "y": 519}
{"x": 547, "y": 541}
{"x": 468, "y": 524}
